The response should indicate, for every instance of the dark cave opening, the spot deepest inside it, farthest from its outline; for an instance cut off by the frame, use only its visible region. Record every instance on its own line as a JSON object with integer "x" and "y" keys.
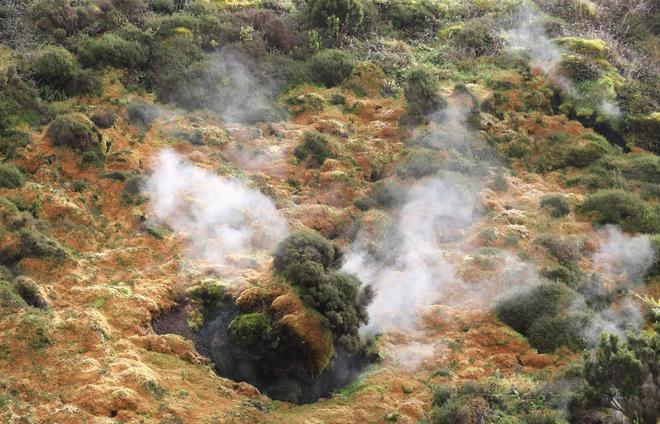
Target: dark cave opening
{"x": 274, "y": 377}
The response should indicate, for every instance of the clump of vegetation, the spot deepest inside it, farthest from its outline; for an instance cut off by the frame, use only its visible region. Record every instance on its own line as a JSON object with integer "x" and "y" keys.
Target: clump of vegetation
{"x": 9, "y": 299}
{"x": 421, "y": 92}
{"x": 564, "y": 250}
{"x": 494, "y": 401}
{"x": 252, "y": 331}
{"x": 315, "y": 147}
{"x": 111, "y": 49}
{"x": 550, "y": 314}
{"x": 59, "y": 75}
{"x": 141, "y": 114}
{"x": 306, "y": 259}
{"x": 624, "y": 376}
{"x": 77, "y": 132}
{"x": 10, "y": 176}
{"x": 556, "y": 205}
{"x": 330, "y": 67}
{"x": 104, "y": 118}
{"x": 622, "y": 208}
{"x": 348, "y": 12}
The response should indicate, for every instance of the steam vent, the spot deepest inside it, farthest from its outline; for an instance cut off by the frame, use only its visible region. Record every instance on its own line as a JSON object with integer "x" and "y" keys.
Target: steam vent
{"x": 329, "y": 212}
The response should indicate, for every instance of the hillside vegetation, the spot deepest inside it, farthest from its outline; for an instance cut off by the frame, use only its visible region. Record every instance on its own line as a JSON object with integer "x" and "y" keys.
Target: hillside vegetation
{"x": 329, "y": 211}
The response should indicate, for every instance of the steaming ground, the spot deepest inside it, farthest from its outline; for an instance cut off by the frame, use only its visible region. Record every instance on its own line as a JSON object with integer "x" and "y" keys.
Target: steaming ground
{"x": 218, "y": 216}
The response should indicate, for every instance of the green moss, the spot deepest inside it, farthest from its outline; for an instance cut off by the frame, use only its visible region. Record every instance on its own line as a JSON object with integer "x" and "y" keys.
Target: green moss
{"x": 252, "y": 331}
{"x": 594, "y": 47}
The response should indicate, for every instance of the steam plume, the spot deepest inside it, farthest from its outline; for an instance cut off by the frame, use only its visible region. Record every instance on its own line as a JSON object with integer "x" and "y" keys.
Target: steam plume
{"x": 218, "y": 216}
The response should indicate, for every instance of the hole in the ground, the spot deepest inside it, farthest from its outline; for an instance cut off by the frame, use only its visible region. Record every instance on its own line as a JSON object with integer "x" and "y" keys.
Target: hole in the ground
{"x": 276, "y": 376}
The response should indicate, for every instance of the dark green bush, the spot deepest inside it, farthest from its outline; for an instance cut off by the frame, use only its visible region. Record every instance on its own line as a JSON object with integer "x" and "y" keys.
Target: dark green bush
{"x": 556, "y": 205}
{"x": 643, "y": 168}
{"x": 104, "y": 118}
{"x": 59, "y": 75}
{"x": 421, "y": 91}
{"x": 476, "y": 37}
{"x": 315, "y": 146}
{"x": 548, "y": 333}
{"x": 303, "y": 257}
{"x": 131, "y": 194}
{"x": 163, "y": 6}
{"x": 519, "y": 310}
{"x": 330, "y": 67}
{"x": 349, "y": 13}
{"x": 9, "y": 299}
{"x": 10, "y": 176}
{"x": 586, "y": 154}
{"x": 12, "y": 140}
{"x": 111, "y": 49}
{"x": 306, "y": 260}
{"x": 411, "y": 16}
{"x": 579, "y": 68}
{"x": 49, "y": 15}
{"x": 141, "y": 114}
{"x": 622, "y": 208}
{"x": 35, "y": 244}
{"x": 77, "y": 132}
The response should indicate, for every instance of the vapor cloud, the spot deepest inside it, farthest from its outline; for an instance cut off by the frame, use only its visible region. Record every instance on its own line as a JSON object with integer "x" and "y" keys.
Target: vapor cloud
{"x": 218, "y": 216}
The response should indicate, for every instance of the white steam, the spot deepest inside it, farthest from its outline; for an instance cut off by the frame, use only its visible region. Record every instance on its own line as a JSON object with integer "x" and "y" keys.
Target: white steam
{"x": 218, "y": 216}
{"x": 435, "y": 211}
{"x": 623, "y": 259}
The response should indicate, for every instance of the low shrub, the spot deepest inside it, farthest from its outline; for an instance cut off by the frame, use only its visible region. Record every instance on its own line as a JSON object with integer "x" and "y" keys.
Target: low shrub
{"x": 476, "y": 37}
{"x": 520, "y": 309}
{"x": 422, "y": 98}
{"x": 111, "y": 49}
{"x": 411, "y": 16}
{"x": 548, "y": 333}
{"x": 9, "y": 299}
{"x": 556, "y": 205}
{"x": 307, "y": 260}
{"x": 10, "y": 176}
{"x": 141, "y": 114}
{"x": 330, "y": 67}
{"x": 303, "y": 257}
{"x": 104, "y": 118}
{"x": 643, "y": 168}
{"x": 35, "y": 244}
{"x": 564, "y": 250}
{"x": 77, "y": 132}
{"x": 349, "y": 13}
{"x": 316, "y": 147}
{"x": 624, "y": 209}
{"x": 58, "y": 75}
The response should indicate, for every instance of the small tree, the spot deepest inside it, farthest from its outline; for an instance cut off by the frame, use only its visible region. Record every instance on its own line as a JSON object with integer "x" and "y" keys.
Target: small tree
{"x": 421, "y": 91}
{"x": 330, "y": 67}
{"x": 624, "y": 376}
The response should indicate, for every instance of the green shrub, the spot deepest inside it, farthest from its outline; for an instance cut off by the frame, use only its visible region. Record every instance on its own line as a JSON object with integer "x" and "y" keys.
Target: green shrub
{"x": 420, "y": 163}
{"x": 141, "y": 114}
{"x": 586, "y": 154}
{"x": 110, "y": 49}
{"x": 35, "y": 244}
{"x": 315, "y": 146}
{"x": 104, "y": 118}
{"x": 556, "y": 205}
{"x": 622, "y": 208}
{"x": 49, "y": 15}
{"x": 643, "y": 168}
{"x": 519, "y": 310}
{"x": 58, "y": 75}
{"x": 388, "y": 194}
{"x": 330, "y": 67}
{"x": 349, "y": 13}
{"x": 77, "y": 132}
{"x": 10, "y": 176}
{"x": 131, "y": 194}
{"x": 476, "y": 37}
{"x": 163, "y": 6}
{"x": 9, "y": 299}
{"x": 10, "y": 141}
{"x": 303, "y": 257}
{"x": 421, "y": 91}
{"x": 579, "y": 68}
{"x": 548, "y": 333}
{"x": 411, "y": 16}
{"x": 564, "y": 250}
